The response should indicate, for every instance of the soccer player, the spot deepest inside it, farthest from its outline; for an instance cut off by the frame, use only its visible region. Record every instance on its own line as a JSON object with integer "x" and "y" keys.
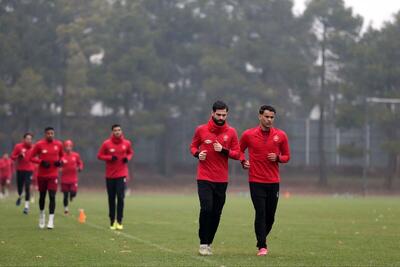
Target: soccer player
{"x": 116, "y": 152}
{"x": 6, "y": 169}
{"x": 213, "y": 143}
{"x": 267, "y": 147}
{"x": 20, "y": 155}
{"x": 72, "y": 164}
{"x": 48, "y": 153}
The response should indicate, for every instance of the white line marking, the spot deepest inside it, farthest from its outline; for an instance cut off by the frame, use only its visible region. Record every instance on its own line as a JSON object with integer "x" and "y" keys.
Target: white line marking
{"x": 151, "y": 244}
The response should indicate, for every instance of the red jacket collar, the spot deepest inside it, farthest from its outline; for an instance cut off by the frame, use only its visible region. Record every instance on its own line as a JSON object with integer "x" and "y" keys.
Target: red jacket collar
{"x": 271, "y": 131}
{"x": 214, "y": 128}
{"x": 26, "y": 145}
{"x": 117, "y": 140}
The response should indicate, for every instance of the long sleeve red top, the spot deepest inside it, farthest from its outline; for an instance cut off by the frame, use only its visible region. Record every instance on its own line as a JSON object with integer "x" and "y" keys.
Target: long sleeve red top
{"x": 49, "y": 151}
{"x": 260, "y": 143}
{"x": 21, "y": 155}
{"x": 71, "y": 164}
{"x": 6, "y": 168}
{"x": 215, "y": 167}
{"x": 120, "y": 148}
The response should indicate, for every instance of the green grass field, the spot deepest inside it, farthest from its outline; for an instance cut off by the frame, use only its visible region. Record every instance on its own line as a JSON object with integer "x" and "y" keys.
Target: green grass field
{"x": 161, "y": 230}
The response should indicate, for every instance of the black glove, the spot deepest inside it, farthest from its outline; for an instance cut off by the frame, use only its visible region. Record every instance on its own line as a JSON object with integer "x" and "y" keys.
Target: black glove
{"x": 45, "y": 164}
{"x": 125, "y": 160}
{"x": 114, "y": 158}
{"x": 20, "y": 156}
{"x": 58, "y": 163}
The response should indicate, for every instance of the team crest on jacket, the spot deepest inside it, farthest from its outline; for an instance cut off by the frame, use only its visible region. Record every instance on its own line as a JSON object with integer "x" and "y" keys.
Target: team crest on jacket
{"x": 276, "y": 138}
{"x": 23, "y": 150}
{"x": 225, "y": 138}
{"x": 123, "y": 147}
{"x": 55, "y": 147}
{"x": 65, "y": 161}
{"x": 208, "y": 141}
{"x": 112, "y": 150}
{"x": 44, "y": 151}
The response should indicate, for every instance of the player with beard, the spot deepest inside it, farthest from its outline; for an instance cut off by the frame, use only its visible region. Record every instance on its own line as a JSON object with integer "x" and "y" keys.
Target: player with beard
{"x": 213, "y": 143}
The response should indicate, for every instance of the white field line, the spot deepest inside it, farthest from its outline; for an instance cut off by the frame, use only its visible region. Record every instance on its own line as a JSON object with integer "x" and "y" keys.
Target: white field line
{"x": 151, "y": 244}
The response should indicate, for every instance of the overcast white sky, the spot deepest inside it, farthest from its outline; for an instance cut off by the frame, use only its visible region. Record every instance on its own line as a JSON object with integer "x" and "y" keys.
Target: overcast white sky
{"x": 374, "y": 12}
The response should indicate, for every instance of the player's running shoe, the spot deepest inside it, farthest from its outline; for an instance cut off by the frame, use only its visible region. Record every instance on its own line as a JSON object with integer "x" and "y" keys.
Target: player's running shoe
{"x": 119, "y": 226}
{"x": 262, "y": 252}
{"x": 204, "y": 251}
{"x": 42, "y": 220}
{"x": 113, "y": 226}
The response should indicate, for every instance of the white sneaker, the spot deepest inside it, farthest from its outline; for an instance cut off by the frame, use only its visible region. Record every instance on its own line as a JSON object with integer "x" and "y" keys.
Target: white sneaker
{"x": 42, "y": 220}
{"x": 203, "y": 250}
{"x": 50, "y": 223}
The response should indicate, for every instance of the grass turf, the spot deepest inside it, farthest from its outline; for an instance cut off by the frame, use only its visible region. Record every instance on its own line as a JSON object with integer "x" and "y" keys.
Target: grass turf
{"x": 161, "y": 230}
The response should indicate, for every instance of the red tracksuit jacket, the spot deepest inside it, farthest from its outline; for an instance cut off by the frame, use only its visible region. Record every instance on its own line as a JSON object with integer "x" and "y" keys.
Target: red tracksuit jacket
{"x": 260, "y": 144}
{"x": 6, "y": 168}
{"x": 23, "y": 163}
{"x": 71, "y": 164}
{"x": 215, "y": 167}
{"x": 51, "y": 152}
{"x": 119, "y": 147}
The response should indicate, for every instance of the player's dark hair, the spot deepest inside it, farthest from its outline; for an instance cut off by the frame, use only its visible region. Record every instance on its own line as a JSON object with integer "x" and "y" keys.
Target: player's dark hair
{"x": 48, "y": 129}
{"x": 115, "y": 126}
{"x": 266, "y": 107}
{"x": 219, "y": 105}
{"x": 28, "y": 133}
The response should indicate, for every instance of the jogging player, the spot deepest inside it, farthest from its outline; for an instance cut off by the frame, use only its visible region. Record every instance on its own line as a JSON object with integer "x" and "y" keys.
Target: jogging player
{"x": 48, "y": 153}
{"x": 6, "y": 170}
{"x": 72, "y": 164}
{"x": 267, "y": 147}
{"x": 116, "y": 152}
{"x": 21, "y": 155}
{"x": 213, "y": 143}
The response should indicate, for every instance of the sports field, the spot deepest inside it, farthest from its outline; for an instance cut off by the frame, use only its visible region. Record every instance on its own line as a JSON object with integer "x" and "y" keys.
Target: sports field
{"x": 161, "y": 230}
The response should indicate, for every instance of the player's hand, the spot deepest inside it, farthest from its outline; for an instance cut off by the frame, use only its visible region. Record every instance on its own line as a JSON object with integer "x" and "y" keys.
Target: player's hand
{"x": 45, "y": 164}
{"x": 217, "y": 146}
{"x": 203, "y": 155}
{"x": 125, "y": 160}
{"x": 58, "y": 163}
{"x": 272, "y": 157}
{"x": 246, "y": 164}
{"x": 114, "y": 158}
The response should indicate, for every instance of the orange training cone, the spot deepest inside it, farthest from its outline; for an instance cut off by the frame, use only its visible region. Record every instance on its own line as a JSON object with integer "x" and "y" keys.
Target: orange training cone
{"x": 82, "y": 216}
{"x": 286, "y": 194}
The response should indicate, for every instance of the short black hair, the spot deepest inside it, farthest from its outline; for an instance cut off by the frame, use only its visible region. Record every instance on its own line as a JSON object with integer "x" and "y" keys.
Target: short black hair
{"x": 219, "y": 105}
{"x": 48, "y": 129}
{"x": 28, "y": 133}
{"x": 115, "y": 126}
{"x": 266, "y": 107}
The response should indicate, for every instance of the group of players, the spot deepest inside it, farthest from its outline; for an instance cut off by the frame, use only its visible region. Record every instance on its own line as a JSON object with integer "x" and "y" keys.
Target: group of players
{"x": 213, "y": 144}
{"x": 44, "y": 158}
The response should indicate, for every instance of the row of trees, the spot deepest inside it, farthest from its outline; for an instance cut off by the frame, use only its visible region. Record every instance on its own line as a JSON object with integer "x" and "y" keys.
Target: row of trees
{"x": 149, "y": 63}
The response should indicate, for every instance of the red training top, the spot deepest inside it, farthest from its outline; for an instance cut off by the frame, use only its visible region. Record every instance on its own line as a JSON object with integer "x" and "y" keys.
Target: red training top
{"x": 20, "y": 155}
{"x": 215, "y": 167}
{"x": 260, "y": 143}
{"x": 6, "y": 168}
{"x": 49, "y": 151}
{"x": 120, "y": 148}
{"x": 71, "y": 164}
